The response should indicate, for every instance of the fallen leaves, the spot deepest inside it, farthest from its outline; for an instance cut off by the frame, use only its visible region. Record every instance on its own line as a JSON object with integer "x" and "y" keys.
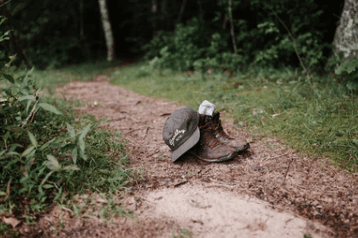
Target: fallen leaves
{"x": 11, "y": 221}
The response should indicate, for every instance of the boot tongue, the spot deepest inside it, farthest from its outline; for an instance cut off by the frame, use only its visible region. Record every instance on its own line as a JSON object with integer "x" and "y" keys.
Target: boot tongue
{"x": 203, "y": 120}
{"x": 216, "y": 116}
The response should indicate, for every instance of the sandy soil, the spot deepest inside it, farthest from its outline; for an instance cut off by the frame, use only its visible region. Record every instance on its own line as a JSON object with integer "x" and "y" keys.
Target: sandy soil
{"x": 267, "y": 192}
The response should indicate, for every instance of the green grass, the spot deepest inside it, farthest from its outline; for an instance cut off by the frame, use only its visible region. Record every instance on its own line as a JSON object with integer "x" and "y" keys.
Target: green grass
{"x": 83, "y": 72}
{"x": 316, "y": 119}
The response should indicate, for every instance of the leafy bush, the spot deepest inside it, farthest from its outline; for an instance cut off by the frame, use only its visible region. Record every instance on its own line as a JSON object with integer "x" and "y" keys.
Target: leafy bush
{"x": 279, "y": 35}
{"x": 56, "y": 53}
{"x": 41, "y": 36}
{"x": 284, "y": 32}
{"x": 27, "y": 157}
{"x": 179, "y": 50}
{"x": 44, "y": 156}
{"x": 192, "y": 47}
{"x": 348, "y": 71}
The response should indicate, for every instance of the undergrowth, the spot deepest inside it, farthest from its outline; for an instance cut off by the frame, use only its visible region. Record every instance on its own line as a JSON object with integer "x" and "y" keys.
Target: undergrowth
{"x": 49, "y": 151}
{"x": 317, "y": 117}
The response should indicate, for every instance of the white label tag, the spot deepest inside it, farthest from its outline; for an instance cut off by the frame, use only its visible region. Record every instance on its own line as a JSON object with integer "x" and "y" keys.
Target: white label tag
{"x": 206, "y": 108}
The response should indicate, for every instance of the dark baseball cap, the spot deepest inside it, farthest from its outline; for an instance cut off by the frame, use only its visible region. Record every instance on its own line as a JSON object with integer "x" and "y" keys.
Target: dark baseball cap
{"x": 181, "y": 131}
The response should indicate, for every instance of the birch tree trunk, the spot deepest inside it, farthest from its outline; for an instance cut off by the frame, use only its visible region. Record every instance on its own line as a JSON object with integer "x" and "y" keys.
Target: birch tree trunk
{"x": 346, "y": 36}
{"x": 107, "y": 30}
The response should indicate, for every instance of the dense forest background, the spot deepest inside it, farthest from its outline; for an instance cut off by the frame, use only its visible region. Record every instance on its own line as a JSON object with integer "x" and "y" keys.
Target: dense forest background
{"x": 179, "y": 34}
{"x": 60, "y": 32}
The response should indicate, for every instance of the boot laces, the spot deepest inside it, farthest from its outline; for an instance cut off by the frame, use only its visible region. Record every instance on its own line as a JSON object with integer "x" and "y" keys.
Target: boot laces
{"x": 210, "y": 125}
{"x": 214, "y": 126}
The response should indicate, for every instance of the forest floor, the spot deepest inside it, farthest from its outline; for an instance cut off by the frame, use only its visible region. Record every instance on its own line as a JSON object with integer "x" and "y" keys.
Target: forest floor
{"x": 268, "y": 191}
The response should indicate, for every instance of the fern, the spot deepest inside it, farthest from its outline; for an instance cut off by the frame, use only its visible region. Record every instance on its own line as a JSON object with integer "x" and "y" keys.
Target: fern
{"x": 347, "y": 66}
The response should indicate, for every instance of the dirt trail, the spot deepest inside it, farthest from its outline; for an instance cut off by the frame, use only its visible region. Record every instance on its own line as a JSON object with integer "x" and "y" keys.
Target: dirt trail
{"x": 267, "y": 192}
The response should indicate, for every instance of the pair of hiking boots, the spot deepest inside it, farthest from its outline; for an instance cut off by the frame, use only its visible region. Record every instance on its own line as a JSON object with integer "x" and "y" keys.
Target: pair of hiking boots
{"x": 214, "y": 144}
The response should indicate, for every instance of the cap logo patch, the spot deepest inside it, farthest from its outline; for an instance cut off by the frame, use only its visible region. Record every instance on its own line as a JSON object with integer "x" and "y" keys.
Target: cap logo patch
{"x": 176, "y": 133}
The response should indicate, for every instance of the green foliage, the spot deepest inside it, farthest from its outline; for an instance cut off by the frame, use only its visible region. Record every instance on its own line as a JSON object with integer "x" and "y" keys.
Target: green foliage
{"x": 48, "y": 34}
{"x": 285, "y": 26}
{"x": 83, "y": 72}
{"x": 45, "y": 156}
{"x": 180, "y": 49}
{"x": 348, "y": 71}
{"x": 188, "y": 48}
{"x": 4, "y": 35}
{"x": 25, "y": 152}
{"x": 186, "y": 28}
{"x": 280, "y": 35}
{"x": 59, "y": 51}
{"x": 347, "y": 66}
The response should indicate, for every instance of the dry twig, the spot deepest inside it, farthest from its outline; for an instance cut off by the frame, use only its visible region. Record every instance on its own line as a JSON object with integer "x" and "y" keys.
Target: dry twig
{"x": 5, "y": 3}
{"x": 294, "y": 43}
{"x": 277, "y": 156}
{"x": 288, "y": 168}
{"x": 32, "y": 113}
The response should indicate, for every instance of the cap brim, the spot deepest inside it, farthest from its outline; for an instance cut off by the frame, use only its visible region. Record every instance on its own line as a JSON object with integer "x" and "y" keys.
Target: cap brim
{"x": 187, "y": 145}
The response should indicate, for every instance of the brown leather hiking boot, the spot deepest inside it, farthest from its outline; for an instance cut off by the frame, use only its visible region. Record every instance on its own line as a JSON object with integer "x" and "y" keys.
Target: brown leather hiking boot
{"x": 212, "y": 150}
{"x": 213, "y": 123}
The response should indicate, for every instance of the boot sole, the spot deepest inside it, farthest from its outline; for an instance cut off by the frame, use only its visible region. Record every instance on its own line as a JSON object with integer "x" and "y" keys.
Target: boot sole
{"x": 231, "y": 156}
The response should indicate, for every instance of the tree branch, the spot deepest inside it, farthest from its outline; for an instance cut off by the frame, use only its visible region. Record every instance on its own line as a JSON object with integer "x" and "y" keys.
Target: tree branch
{"x": 181, "y": 11}
{"x": 5, "y": 3}
{"x": 294, "y": 43}
{"x": 31, "y": 115}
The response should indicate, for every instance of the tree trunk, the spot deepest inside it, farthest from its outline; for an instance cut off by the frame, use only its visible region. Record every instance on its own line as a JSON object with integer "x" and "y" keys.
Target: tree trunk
{"x": 154, "y": 16}
{"x": 232, "y": 31}
{"x": 82, "y": 31}
{"x": 107, "y": 30}
{"x": 346, "y": 36}
{"x": 85, "y": 48}
{"x": 201, "y": 11}
{"x": 181, "y": 11}
{"x": 164, "y": 18}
